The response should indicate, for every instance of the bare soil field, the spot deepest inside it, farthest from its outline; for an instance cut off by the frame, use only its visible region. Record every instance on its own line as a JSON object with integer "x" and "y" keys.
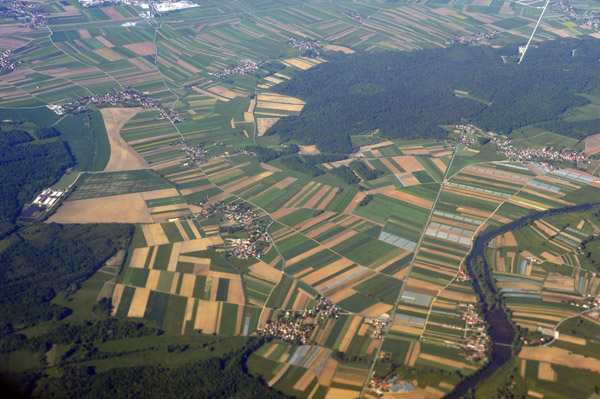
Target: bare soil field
{"x": 561, "y": 357}
{"x": 263, "y": 124}
{"x": 446, "y": 361}
{"x": 271, "y": 169}
{"x": 309, "y": 150}
{"x": 154, "y": 234}
{"x": 206, "y": 316}
{"x": 592, "y": 144}
{"x": 344, "y": 50}
{"x": 139, "y": 256}
{"x": 138, "y": 303}
{"x": 122, "y": 156}
{"x": 125, "y": 208}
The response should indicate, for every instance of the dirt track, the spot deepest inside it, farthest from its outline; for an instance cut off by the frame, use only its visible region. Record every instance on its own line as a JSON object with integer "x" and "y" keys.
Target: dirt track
{"x": 122, "y": 156}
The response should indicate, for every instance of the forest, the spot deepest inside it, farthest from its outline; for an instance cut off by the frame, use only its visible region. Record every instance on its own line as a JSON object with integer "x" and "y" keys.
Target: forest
{"x": 26, "y": 167}
{"x": 412, "y": 94}
{"x": 44, "y": 259}
{"x": 218, "y": 377}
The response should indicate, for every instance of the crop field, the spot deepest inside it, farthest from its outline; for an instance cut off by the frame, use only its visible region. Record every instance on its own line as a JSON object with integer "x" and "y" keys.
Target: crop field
{"x": 183, "y": 287}
{"x": 403, "y": 234}
{"x": 544, "y": 265}
{"x": 95, "y": 185}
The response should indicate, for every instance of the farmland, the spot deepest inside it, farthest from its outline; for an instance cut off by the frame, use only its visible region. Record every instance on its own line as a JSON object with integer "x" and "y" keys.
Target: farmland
{"x": 351, "y": 264}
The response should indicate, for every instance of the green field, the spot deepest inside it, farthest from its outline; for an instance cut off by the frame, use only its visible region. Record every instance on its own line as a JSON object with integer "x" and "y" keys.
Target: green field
{"x": 94, "y": 185}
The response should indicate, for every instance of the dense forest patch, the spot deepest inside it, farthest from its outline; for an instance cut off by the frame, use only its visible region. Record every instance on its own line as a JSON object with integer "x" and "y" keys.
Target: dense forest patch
{"x": 410, "y": 94}
{"x": 42, "y": 260}
{"x": 26, "y": 167}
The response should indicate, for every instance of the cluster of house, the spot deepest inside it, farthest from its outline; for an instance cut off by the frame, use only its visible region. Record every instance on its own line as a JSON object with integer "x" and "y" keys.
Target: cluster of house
{"x": 288, "y": 330}
{"x": 383, "y": 385}
{"x": 244, "y": 67}
{"x": 48, "y": 197}
{"x": 194, "y": 153}
{"x": 476, "y": 334}
{"x": 306, "y": 47}
{"x": 356, "y": 16}
{"x": 322, "y": 308}
{"x": 591, "y": 302}
{"x": 546, "y": 154}
{"x": 240, "y": 218}
{"x": 129, "y": 96}
{"x": 463, "y": 276}
{"x": 474, "y": 38}
{"x": 293, "y": 327}
{"x": 5, "y": 60}
{"x": 590, "y": 19}
{"x": 467, "y": 140}
{"x": 98, "y": 3}
{"x": 379, "y": 328}
{"x": 23, "y": 12}
{"x": 245, "y": 248}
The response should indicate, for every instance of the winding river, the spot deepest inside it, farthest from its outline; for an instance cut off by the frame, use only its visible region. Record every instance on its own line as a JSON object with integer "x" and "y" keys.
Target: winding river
{"x": 501, "y": 331}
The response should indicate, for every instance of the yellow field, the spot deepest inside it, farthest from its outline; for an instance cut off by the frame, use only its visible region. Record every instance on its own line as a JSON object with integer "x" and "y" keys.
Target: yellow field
{"x": 561, "y": 357}
{"x": 446, "y": 361}
{"x": 349, "y": 334}
{"x": 154, "y": 234}
{"x": 206, "y": 316}
{"x": 139, "y": 256}
{"x": 153, "y": 277}
{"x": 125, "y": 208}
{"x": 199, "y": 244}
{"x": 138, "y": 303}
{"x": 265, "y": 272}
{"x": 545, "y": 372}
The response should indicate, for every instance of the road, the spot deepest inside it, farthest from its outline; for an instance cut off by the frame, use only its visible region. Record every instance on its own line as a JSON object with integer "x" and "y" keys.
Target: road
{"x": 534, "y": 29}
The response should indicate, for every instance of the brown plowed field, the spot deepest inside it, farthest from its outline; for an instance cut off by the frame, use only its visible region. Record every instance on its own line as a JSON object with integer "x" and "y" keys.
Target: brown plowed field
{"x": 122, "y": 156}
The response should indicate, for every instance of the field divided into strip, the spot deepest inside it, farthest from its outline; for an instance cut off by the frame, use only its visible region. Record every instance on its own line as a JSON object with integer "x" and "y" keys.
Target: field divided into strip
{"x": 358, "y": 251}
{"x": 541, "y": 269}
{"x": 100, "y": 56}
{"x": 433, "y": 302}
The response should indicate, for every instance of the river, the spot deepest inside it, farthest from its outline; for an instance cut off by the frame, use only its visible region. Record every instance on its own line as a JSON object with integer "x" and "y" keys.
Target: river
{"x": 501, "y": 331}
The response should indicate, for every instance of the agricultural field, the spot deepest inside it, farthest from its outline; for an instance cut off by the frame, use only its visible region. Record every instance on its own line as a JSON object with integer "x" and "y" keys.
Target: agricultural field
{"x": 363, "y": 253}
{"x": 546, "y": 272}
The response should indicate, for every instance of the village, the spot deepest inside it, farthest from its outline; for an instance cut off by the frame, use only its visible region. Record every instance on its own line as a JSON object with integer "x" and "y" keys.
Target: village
{"x": 547, "y": 155}
{"x": 590, "y": 302}
{"x": 476, "y": 335}
{"x": 308, "y": 48}
{"x": 591, "y": 19}
{"x": 249, "y": 237}
{"x": 295, "y": 327}
{"x": 5, "y": 61}
{"x": 196, "y": 154}
{"x": 474, "y": 38}
{"x": 379, "y": 326}
{"x": 22, "y": 12}
{"x": 155, "y": 6}
{"x": 356, "y": 16}
{"x": 245, "y": 67}
{"x": 99, "y": 3}
{"x": 128, "y": 97}
{"x": 383, "y": 385}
